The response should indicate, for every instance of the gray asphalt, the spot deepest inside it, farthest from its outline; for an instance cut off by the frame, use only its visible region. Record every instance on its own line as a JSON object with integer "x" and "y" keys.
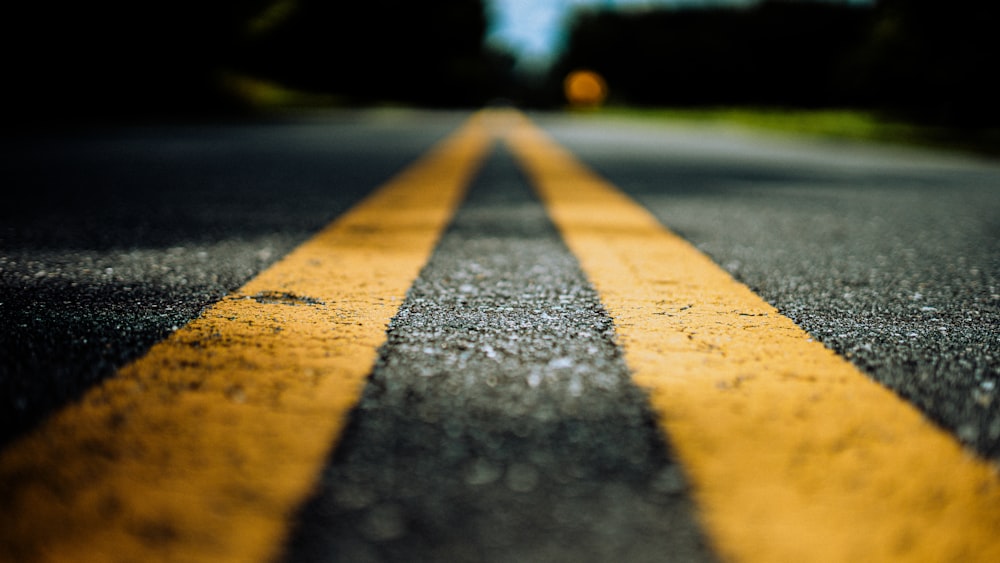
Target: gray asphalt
{"x": 888, "y": 255}
{"x": 499, "y": 423}
{"x": 112, "y": 238}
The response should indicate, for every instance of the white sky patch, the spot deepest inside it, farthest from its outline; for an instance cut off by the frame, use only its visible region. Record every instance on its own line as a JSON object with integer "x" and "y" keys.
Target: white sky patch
{"x": 534, "y": 30}
{"x": 529, "y": 28}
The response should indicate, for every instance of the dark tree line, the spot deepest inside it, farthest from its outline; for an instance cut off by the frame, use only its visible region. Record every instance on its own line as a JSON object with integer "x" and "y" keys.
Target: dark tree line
{"x": 936, "y": 60}
{"x": 391, "y": 50}
{"x": 157, "y": 57}
{"x": 117, "y": 57}
{"x": 928, "y": 59}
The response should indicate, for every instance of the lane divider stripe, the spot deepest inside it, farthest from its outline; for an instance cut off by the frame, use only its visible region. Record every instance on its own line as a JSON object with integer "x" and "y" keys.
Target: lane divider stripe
{"x": 201, "y": 450}
{"x": 793, "y": 454}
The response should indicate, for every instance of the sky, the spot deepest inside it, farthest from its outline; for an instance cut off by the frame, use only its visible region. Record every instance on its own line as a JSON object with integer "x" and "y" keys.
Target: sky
{"x": 533, "y": 30}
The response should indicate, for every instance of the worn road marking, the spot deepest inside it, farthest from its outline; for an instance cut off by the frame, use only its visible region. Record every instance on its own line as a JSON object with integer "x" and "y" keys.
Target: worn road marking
{"x": 500, "y": 423}
{"x": 794, "y": 454}
{"x": 200, "y": 450}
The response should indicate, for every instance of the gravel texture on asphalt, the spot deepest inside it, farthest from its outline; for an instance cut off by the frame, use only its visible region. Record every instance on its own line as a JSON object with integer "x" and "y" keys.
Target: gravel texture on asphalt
{"x": 887, "y": 255}
{"x": 500, "y": 423}
{"x": 112, "y": 239}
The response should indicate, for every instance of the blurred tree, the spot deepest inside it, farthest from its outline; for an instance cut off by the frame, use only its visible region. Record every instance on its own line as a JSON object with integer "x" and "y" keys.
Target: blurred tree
{"x": 936, "y": 60}
{"x": 390, "y": 50}
{"x": 118, "y": 57}
{"x": 776, "y": 53}
{"x": 923, "y": 59}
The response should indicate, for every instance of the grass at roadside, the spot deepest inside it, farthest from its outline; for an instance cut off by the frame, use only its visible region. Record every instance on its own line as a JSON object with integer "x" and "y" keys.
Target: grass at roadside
{"x": 266, "y": 97}
{"x": 836, "y": 124}
{"x": 262, "y": 95}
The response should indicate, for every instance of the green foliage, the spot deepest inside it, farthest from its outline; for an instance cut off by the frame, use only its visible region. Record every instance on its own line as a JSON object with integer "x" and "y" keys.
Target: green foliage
{"x": 113, "y": 58}
{"x": 926, "y": 60}
{"x": 119, "y": 58}
{"x": 826, "y": 123}
{"x": 391, "y": 50}
{"x": 936, "y": 60}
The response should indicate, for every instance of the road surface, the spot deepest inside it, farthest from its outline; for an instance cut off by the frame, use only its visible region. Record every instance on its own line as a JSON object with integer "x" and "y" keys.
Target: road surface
{"x": 364, "y": 337}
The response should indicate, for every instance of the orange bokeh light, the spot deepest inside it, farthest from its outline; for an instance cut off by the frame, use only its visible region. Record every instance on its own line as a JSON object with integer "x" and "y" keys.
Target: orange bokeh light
{"x": 585, "y": 88}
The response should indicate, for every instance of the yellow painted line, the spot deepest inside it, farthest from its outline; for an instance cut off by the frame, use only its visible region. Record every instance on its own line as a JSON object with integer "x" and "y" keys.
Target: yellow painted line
{"x": 202, "y": 449}
{"x": 793, "y": 454}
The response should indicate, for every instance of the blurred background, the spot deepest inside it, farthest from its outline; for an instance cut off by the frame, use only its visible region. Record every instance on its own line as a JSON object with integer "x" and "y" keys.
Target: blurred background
{"x": 928, "y": 61}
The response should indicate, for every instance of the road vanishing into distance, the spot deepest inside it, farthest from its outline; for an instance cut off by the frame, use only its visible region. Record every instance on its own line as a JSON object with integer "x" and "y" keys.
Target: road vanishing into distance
{"x": 398, "y": 335}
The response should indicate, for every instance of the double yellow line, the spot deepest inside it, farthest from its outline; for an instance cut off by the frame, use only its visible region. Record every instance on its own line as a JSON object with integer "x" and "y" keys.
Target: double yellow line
{"x": 203, "y": 449}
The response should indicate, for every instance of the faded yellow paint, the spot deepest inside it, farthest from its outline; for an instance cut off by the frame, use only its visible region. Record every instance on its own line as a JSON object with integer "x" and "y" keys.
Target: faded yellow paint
{"x": 202, "y": 449}
{"x": 793, "y": 454}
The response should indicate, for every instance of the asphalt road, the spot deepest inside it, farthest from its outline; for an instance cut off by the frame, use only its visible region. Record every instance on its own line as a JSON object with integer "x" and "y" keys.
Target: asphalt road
{"x": 502, "y": 398}
{"x": 111, "y": 239}
{"x": 499, "y": 420}
{"x": 889, "y": 256}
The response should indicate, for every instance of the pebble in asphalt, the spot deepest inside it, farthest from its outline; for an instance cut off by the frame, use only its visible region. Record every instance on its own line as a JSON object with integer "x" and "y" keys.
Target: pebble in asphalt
{"x": 500, "y": 423}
